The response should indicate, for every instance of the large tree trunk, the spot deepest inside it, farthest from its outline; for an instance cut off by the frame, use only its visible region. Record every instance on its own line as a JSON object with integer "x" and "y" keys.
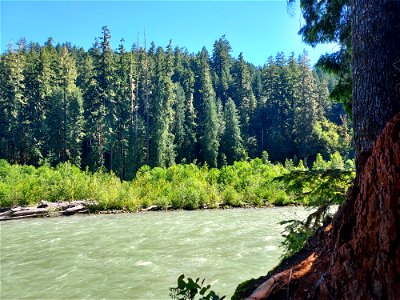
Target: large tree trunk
{"x": 376, "y": 69}
{"x": 365, "y": 260}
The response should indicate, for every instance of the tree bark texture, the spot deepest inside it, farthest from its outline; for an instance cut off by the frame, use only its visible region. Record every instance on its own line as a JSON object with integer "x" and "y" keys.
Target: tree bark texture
{"x": 375, "y": 68}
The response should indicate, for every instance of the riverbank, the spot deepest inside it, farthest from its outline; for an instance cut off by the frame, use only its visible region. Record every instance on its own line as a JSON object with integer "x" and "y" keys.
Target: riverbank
{"x": 247, "y": 183}
{"x": 46, "y": 209}
{"x": 254, "y": 183}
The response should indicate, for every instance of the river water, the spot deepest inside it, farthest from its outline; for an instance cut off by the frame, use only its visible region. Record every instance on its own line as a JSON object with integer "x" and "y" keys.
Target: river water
{"x": 138, "y": 256}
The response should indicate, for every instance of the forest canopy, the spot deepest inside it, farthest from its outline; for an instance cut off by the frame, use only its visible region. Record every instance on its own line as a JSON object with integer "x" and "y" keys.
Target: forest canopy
{"x": 122, "y": 109}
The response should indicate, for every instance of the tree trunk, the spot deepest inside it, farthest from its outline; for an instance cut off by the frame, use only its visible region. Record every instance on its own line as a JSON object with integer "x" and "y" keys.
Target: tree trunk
{"x": 64, "y": 151}
{"x": 376, "y": 80}
{"x": 365, "y": 261}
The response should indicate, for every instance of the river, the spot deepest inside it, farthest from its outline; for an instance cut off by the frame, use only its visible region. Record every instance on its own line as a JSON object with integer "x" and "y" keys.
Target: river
{"x": 138, "y": 256}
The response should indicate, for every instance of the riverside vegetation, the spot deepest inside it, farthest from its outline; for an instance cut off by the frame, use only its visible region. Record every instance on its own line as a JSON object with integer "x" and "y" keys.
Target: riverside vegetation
{"x": 245, "y": 183}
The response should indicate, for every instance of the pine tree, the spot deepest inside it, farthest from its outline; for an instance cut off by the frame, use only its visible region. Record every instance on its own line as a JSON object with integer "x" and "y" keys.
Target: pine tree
{"x": 64, "y": 114}
{"x": 231, "y": 142}
{"x": 93, "y": 152}
{"x": 68, "y": 78}
{"x": 75, "y": 125}
{"x": 276, "y": 108}
{"x": 124, "y": 126}
{"x": 39, "y": 82}
{"x": 163, "y": 98}
{"x": 191, "y": 126}
{"x": 55, "y": 127}
{"x": 306, "y": 110}
{"x": 319, "y": 163}
{"x": 243, "y": 93}
{"x": 106, "y": 79}
{"x": 179, "y": 122}
{"x": 11, "y": 99}
{"x": 185, "y": 77}
{"x": 208, "y": 118}
{"x": 221, "y": 66}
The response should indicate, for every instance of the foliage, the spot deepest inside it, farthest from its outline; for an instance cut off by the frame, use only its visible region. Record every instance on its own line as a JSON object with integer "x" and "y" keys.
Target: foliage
{"x": 323, "y": 186}
{"x": 328, "y": 21}
{"x": 122, "y": 109}
{"x": 180, "y": 186}
{"x": 190, "y": 289}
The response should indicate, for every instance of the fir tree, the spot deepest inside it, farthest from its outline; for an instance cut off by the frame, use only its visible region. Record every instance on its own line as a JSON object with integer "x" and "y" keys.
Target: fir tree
{"x": 231, "y": 142}
{"x": 221, "y": 66}
{"x": 163, "y": 98}
{"x": 208, "y": 117}
{"x": 11, "y": 101}
{"x": 243, "y": 93}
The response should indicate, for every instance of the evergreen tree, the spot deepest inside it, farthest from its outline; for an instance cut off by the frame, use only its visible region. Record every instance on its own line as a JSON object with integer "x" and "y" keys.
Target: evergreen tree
{"x": 306, "y": 111}
{"x": 319, "y": 163}
{"x": 64, "y": 114}
{"x": 185, "y": 79}
{"x": 191, "y": 126}
{"x": 124, "y": 126}
{"x": 221, "y": 66}
{"x": 208, "y": 118}
{"x": 179, "y": 122}
{"x": 276, "y": 108}
{"x": 163, "y": 98}
{"x": 231, "y": 142}
{"x": 105, "y": 69}
{"x": 94, "y": 112}
{"x": 75, "y": 125}
{"x": 243, "y": 93}
{"x": 11, "y": 101}
{"x": 68, "y": 76}
{"x": 39, "y": 83}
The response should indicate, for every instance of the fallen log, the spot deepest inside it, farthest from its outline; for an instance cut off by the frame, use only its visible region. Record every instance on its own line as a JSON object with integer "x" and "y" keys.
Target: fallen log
{"x": 30, "y": 211}
{"x": 47, "y": 209}
{"x": 74, "y": 209}
{"x": 265, "y": 289}
{"x": 151, "y": 208}
{"x": 282, "y": 279}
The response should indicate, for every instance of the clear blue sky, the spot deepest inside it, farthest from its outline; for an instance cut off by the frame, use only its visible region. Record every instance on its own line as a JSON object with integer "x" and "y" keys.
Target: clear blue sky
{"x": 256, "y": 28}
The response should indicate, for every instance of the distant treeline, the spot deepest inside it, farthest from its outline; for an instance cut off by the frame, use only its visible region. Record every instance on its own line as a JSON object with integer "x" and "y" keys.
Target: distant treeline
{"x": 122, "y": 109}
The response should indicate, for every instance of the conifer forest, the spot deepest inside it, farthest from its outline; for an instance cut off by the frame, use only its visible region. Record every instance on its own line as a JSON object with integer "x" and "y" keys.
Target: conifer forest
{"x": 120, "y": 108}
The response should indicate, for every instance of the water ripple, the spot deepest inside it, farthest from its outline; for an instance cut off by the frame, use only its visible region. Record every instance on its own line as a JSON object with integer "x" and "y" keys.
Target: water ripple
{"x": 137, "y": 256}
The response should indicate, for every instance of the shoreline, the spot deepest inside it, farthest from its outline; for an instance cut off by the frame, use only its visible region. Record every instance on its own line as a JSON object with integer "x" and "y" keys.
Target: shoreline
{"x": 46, "y": 209}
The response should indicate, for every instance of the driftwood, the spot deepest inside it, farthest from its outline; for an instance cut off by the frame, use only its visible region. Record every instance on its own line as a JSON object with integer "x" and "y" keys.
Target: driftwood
{"x": 75, "y": 209}
{"x": 282, "y": 279}
{"x": 46, "y": 209}
{"x": 265, "y": 289}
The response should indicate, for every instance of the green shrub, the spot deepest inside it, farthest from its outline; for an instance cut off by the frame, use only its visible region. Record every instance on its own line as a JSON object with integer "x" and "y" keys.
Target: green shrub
{"x": 179, "y": 186}
{"x": 231, "y": 197}
{"x": 192, "y": 288}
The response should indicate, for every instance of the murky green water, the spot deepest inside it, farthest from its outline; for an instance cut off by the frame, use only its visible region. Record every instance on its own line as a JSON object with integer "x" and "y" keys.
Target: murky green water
{"x": 137, "y": 256}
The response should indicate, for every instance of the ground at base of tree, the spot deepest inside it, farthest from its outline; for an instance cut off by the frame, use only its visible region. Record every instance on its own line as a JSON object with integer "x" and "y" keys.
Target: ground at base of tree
{"x": 357, "y": 256}
{"x": 287, "y": 274}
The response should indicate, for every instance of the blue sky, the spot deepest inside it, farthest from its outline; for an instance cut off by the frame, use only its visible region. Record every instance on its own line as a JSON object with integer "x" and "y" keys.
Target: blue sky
{"x": 256, "y": 28}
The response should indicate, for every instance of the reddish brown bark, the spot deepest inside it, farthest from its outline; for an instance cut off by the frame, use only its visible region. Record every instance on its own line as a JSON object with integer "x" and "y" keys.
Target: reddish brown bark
{"x": 366, "y": 259}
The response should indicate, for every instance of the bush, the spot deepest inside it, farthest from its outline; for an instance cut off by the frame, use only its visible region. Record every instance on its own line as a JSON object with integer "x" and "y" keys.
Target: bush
{"x": 179, "y": 186}
{"x": 192, "y": 288}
